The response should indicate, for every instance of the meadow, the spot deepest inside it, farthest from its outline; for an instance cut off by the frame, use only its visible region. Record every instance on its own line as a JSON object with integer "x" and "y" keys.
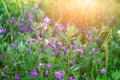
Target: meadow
{"x": 59, "y": 39}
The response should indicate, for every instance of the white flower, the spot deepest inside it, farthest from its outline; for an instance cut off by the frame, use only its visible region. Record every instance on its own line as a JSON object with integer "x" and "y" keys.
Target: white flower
{"x": 47, "y": 41}
{"x": 46, "y": 19}
{"x": 118, "y": 31}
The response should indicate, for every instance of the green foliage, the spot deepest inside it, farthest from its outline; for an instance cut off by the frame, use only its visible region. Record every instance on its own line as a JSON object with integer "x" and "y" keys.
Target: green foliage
{"x": 116, "y": 75}
{"x": 31, "y": 49}
{"x": 71, "y": 33}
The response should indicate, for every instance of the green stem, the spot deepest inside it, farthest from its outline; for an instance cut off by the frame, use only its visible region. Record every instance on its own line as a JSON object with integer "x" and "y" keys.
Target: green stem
{"x": 13, "y": 26}
{"x": 68, "y": 66}
{"x": 50, "y": 75}
{"x": 6, "y": 8}
{"x": 105, "y": 39}
{"x": 92, "y": 70}
{"x": 68, "y": 56}
{"x": 107, "y": 57}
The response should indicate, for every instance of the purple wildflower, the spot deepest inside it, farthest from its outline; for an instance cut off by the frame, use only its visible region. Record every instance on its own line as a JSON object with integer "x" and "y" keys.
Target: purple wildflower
{"x": 64, "y": 28}
{"x": 71, "y": 78}
{"x": 103, "y": 70}
{"x": 97, "y": 39}
{"x": 80, "y": 51}
{"x": 72, "y": 62}
{"x": 41, "y": 49}
{"x": 2, "y": 30}
{"x": 31, "y": 24}
{"x": 17, "y": 78}
{"x": 59, "y": 75}
{"x": 36, "y": 68}
{"x": 24, "y": 29}
{"x": 13, "y": 45}
{"x": 15, "y": 42}
{"x": 55, "y": 39}
{"x": 28, "y": 42}
{"x": 47, "y": 43}
{"x": 55, "y": 48}
{"x": 34, "y": 74}
{"x": 1, "y": 57}
{"x": 45, "y": 27}
{"x": 75, "y": 44}
{"x": 32, "y": 40}
{"x": 22, "y": 20}
{"x": 97, "y": 49}
{"x": 5, "y": 68}
{"x": 60, "y": 52}
{"x": 38, "y": 31}
{"x": 98, "y": 60}
{"x": 65, "y": 50}
{"x": 84, "y": 46}
{"x": 75, "y": 51}
{"x": 12, "y": 19}
{"x": 90, "y": 54}
{"x": 49, "y": 65}
{"x": 39, "y": 39}
{"x": 46, "y": 72}
{"x": 60, "y": 44}
{"x": 52, "y": 54}
{"x": 2, "y": 74}
{"x": 90, "y": 38}
{"x": 19, "y": 24}
{"x": 89, "y": 33}
{"x": 29, "y": 50}
{"x": 60, "y": 27}
{"x": 93, "y": 49}
{"x": 31, "y": 16}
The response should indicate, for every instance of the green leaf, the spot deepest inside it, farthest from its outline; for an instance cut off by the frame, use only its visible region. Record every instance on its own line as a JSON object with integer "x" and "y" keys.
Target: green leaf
{"x": 25, "y": 78}
{"x": 70, "y": 33}
{"x": 116, "y": 75}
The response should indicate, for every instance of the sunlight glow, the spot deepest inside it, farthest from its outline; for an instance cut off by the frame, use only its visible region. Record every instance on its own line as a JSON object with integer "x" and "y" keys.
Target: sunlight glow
{"x": 87, "y": 3}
